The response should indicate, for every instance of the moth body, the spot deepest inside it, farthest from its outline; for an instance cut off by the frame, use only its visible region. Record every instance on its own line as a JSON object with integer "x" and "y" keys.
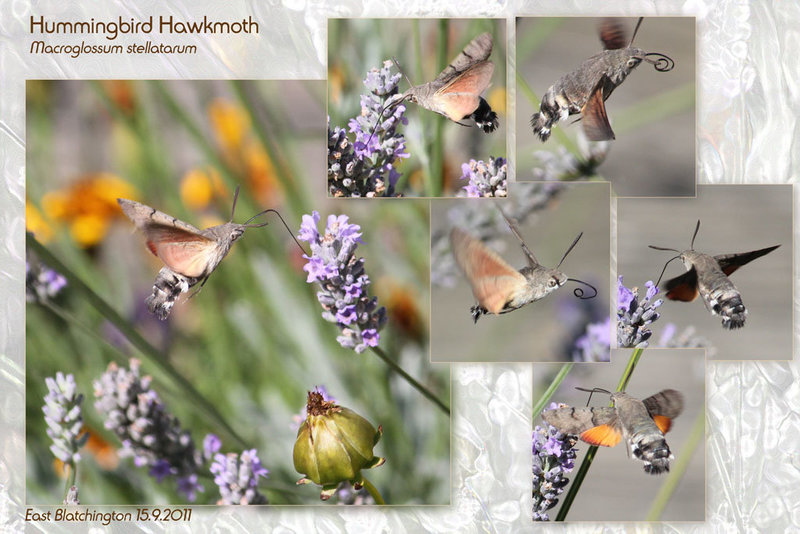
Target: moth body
{"x": 498, "y": 287}
{"x": 585, "y": 90}
{"x": 189, "y": 254}
{"x": 641, "y": 423}
{"x": 455, "y": 93}
{"x": 708, "y": 276}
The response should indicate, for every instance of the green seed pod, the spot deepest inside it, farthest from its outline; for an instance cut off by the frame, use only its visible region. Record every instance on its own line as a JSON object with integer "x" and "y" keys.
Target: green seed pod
{"x": 333, "y": 445}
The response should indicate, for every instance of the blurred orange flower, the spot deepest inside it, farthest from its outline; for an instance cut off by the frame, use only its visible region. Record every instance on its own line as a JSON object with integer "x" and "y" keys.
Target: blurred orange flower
{"x": 35, "y": 223}
{"x": 242, "y": 150}
{"x": 103, "y": 452}
{"x": 88, "y": 206}
{"x": 497, "y": 100}
{"x": 199, "y": 186}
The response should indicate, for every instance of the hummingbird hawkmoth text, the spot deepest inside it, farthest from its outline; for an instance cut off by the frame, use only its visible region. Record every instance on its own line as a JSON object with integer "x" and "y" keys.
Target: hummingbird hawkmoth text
{"x": 586, "y": 89}
{"x": 189, "y": 254}
{"x": 642, "y": 423}
{"x": 498, "y": 287}
{"x": 708, "y": 276}
{"x": 455, "y": 93}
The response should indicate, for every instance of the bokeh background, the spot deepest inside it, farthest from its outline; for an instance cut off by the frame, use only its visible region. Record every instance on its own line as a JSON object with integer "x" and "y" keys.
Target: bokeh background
{"x": 544, "y": 330}
{"x": 616, "y": 487}
{"x": 733, "y": 218}
{"x": 253, "y": 341}
{"x": 357, "y": 45}
{"x": 652, "y": 113}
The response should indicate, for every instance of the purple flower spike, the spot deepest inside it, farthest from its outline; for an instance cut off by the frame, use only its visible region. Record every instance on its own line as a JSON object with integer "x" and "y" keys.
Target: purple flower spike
{"x": 553, "y": 456}
{"x": 634, "y": 316}
{"x": 62, "y": 413}
{"x": 366, "y": 167}
{"x": 344, "y": 286}
{"x": 148, "y": 432}
{"x": 488, "y": 179}
{"x": 236, "y": 476}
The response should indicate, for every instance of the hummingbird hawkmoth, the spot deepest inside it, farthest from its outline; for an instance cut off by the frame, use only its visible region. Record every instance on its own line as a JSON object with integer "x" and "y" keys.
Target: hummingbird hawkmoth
{"x": 189, "y": 254}
{"x": 498, "y": 287}
{"x": 708, "y": 276}
{"x": 586, "y": 89}
{"x": 455, "y": 93}
{"x": 642, "y": 423}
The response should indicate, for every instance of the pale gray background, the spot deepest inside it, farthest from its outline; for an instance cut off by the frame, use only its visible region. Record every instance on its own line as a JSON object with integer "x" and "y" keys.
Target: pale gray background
{"x": 733, "y": 218}
{"x": 652, "y": 159}
{"x": 616, "y": 487}
{"x": 534, "y": 332}
{"x": 747, "y": 123}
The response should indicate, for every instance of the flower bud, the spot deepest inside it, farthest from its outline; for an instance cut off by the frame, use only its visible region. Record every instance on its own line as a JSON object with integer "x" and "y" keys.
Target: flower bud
{"x": 333, "y": 445}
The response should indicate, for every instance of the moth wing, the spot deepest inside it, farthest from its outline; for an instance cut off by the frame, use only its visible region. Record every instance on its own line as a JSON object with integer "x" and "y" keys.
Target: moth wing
{"x": 729, "y": 263}
{"x": 595, "y": 120}
{"x": 596, "y": 426}
{"x": 460, "y": 97}
{"x": 478, "y": 50}
{"x": 613, "y": 34}
{"x": 142, "y": 215}
{"x": 532, "y": 261}
{"x": 186, "y": 253}
{"x": 663, "y": 407}
{"x": 683, "y": 287}
{"x": 491, "y": 278}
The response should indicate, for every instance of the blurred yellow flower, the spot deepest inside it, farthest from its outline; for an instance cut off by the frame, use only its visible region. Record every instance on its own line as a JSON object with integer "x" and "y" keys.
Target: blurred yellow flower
{"x": 335, "y": 83}
{"x": 34, "y": 222}
{"x": 199, "y": 186}
{"x": 230, "y": 122}
{"x": 497, "y": 99}
{"x": 88, "y": 206}
{"x": 260, "y": 174}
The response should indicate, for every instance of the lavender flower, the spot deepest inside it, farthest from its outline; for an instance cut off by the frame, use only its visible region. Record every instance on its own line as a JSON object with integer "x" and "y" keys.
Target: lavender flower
{"x": 595, "y": 344}
{"x": 367, "y": 167}
{"x": 485, "y": 179}
{"x": 687, "y": 338}
{"x": 41, "y": 282}
{"x": 62, "y": 413}
{"x": 633, "y": 316}
{"x": 237, "y": 477}
{"x": 553, "y": 457}
{"x": 562, "y": 165}
{"x": 344, "y": 284}
{"x": 149, "y": 434}
{"x": 347, "y": 495}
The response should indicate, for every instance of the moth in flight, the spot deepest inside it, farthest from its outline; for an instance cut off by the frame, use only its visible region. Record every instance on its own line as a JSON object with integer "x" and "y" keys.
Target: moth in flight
{"x": 189, "y": 254}
{"x": 708, "y": 277}
{"x": 498, "y": 287}
{"x": 456, "y": 91}
{"x": 585, "y": 90}
{"x": 642, "y": 423}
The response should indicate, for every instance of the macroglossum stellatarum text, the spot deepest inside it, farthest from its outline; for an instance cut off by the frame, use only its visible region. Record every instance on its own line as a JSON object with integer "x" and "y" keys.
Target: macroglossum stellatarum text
{"x": 455, "y": 93}
{"x": 586, "y": 89}
{"x": 190, "y": 255}
{"x": 642, "y": 423}
{"x": 498, "y": 287}
{"x": 708, "y": 276}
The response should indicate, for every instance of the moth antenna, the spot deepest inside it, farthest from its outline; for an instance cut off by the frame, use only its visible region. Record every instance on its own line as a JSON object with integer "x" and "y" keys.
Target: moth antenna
{"x": 592, "y": 392}
{"x": 663, "y": 63}
{"x": 696, "y": 229}
{"x": 248, "y": 225}
{"x": 570, "y": 250}
{"x": 636, "y": 30}
{"x": 235, "y": 198}
{"x": 397, "y": 64}
{"x": 579, "y": 292}
{"x": 665, "y": 267}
